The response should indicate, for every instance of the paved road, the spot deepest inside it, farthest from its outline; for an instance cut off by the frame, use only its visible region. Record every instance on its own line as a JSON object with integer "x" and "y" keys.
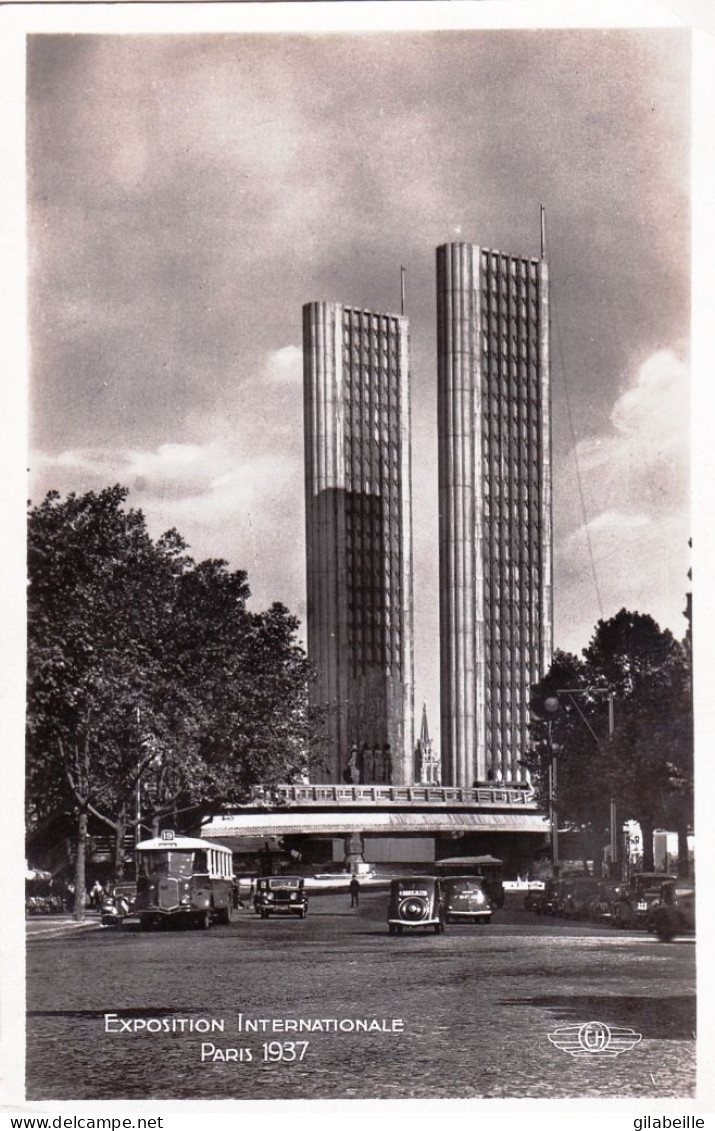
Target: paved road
{"x": 464, "y": 1014}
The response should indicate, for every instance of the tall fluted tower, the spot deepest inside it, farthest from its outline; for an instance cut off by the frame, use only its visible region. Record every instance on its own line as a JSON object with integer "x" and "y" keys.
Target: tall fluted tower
{"x": 359, "y": 537}
{"x": 495, "y": 532}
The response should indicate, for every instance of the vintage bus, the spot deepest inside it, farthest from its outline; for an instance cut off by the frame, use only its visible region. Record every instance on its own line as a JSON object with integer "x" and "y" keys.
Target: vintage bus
{"x": 183, "y": 880}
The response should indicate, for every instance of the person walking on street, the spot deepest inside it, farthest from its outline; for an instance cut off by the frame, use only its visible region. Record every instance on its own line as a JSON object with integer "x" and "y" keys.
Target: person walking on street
{"x": 354, "y": 892}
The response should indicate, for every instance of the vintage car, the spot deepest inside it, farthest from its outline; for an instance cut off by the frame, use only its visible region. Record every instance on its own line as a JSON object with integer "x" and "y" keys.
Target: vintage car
{"x": 490, "y": 870}
{"x": 575, "y": 899}
{"x": 467, "y": 900}
{"x": 118, "y": 904}
{"x": 280, "y": 895}
{"x": 416, "y": 903}
{"x": 544, "y": 902}
{"x": 533, "y": 895}
{"x": 632, "y": 904}
{"x": 601, "y": 903}
{"x": 674, "y": 913}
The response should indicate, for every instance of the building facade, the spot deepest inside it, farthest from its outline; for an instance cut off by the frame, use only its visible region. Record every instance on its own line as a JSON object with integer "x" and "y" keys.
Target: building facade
{"x": 495, "y": 532}
{"x": 359, "y": 537}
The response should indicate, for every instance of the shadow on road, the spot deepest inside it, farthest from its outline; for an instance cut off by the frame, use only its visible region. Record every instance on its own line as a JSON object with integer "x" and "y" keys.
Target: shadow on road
{"x": 664, "y": 1018}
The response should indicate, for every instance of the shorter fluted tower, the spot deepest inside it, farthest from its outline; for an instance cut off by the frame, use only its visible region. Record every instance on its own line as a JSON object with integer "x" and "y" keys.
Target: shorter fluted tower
{"x": 359, "y": 537}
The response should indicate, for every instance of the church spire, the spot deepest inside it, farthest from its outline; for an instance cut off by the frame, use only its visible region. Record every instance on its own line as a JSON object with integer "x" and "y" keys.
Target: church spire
{"x": 424, "y": 729}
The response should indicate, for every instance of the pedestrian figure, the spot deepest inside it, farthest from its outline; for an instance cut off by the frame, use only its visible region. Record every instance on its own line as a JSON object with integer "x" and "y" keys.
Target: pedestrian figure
{"x": 354, "y": 892}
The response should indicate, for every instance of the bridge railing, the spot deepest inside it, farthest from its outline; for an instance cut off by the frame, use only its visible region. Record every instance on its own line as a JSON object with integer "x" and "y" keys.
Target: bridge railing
{"x": 497, "y": 796}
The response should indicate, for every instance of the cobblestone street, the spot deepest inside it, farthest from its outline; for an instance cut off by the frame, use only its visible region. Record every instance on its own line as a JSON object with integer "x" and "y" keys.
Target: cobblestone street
{"x": 477, "y": 1005}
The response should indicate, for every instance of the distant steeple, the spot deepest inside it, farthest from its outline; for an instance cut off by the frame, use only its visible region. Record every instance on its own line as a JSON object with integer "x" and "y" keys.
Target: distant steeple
{"x": 427, "y": 761}
{"x": 425, "y": 741}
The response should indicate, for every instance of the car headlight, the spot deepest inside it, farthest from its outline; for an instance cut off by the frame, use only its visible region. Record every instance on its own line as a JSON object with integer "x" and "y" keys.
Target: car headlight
{"x": 293, "y": 896}
{"x": 185, "y": 899}
{"x": 480, "y": 897}
{"x": 269, "y": 895}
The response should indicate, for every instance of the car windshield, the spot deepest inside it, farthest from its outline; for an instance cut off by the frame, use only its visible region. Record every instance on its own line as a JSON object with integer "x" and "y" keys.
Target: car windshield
{"x": 283, "y": 883}
{"x": 465, "y": 885}
{"x": 169, "y": 863}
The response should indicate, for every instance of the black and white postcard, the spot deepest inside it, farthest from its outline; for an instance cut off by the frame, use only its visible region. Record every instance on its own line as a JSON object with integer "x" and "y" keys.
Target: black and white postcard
{"x": 355, "y": 356}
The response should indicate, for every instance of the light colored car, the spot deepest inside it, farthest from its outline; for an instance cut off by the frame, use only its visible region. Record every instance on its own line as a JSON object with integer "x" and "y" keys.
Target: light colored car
{"x": 467, "y": 900}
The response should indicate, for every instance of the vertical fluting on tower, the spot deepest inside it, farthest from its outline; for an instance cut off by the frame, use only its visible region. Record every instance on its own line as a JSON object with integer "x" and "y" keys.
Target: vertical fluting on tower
{"x": 325, "y": 508}
{"x": 460, "y": 524}
{"x": 495, "y": 526}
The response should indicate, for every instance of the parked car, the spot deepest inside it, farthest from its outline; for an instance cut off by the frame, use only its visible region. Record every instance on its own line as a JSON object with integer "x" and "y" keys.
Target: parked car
{"x": 600, "y": 906}
{"x": 118, "y": 904}
{"x": 532, "y": 896}
{"x": 416, "y": 902}
{"x": 281, "y": 895}
{"x": 631, "y": 906}
{"x": 576, "y": 897}
{"x": 467, "y": 900}
{"x": 545, "y": 901}
{"x": 674, "y": 913}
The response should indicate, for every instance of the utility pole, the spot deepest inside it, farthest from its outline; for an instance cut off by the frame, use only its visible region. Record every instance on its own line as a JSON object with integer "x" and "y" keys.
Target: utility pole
{"x": 612, "y": 809}
{"x": 551, "y": 704}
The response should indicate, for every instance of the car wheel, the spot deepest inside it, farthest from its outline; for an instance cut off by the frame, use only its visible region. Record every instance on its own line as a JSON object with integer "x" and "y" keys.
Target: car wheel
{"x": 392, "y": 928}
{"x": 205, "y": 920}
{"x": 264, "y": 914}
{"x": 145, "y": 923}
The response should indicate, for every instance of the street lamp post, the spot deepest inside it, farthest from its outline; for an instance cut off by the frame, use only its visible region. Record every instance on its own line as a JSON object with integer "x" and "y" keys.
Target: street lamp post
{"x": 552, "y": 705}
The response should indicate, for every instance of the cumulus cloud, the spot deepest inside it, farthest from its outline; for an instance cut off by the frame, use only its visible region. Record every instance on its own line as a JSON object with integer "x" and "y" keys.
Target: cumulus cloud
{"x": 285, "y": 366}
{"x": 642, "y": 465}
{"x": 631, "y": 546}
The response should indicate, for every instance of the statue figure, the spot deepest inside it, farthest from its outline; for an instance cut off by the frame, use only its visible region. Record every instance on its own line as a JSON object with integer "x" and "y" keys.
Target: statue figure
{"x": 387, "y": 763}
{"x": 353, "y": 772}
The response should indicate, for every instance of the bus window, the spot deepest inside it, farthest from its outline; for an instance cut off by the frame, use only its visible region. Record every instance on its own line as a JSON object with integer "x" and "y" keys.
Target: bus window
{"x": 170, "y": 863}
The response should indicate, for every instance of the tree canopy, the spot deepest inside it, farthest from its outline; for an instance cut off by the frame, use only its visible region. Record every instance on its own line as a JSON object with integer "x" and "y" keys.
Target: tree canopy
{"x": 144, "y": 665}
{"x": 647, "y": 764}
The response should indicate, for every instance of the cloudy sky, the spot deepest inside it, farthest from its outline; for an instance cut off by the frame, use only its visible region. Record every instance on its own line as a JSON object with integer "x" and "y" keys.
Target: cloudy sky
{"x": 188, "y": 194}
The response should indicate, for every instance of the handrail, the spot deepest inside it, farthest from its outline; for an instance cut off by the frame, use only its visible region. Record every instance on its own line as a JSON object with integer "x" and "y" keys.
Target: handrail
{"x": 412, "y": 795}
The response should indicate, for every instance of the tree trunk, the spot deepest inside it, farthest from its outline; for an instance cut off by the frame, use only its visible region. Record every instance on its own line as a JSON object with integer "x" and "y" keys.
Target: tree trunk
{"x": 118, "y": 862}
{"x": 683, "y": 857}
{"x": 80, "y": 883}
{"x": 647, "y": 835}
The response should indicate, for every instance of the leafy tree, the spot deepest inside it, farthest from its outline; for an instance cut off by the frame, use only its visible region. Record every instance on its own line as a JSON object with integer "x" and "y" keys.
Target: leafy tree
{"x": 146, "y": 670}
{"x": 648, "y": 765}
